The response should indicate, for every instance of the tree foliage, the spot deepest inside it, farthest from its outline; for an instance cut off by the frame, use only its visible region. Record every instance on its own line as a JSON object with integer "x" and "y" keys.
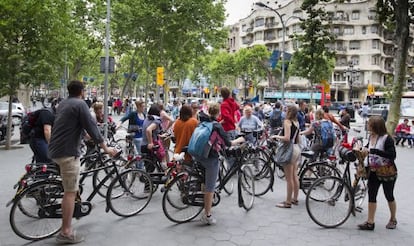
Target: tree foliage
{"x": 313, "y": 60}
{"x": 396, "y": 16}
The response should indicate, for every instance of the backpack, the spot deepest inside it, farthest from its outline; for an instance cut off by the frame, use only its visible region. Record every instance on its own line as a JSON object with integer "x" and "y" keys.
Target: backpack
{"x": 327, "y": 134}
{"x": 198, "y": 146}
{"x": 276, "y": 119}
{"x": 27, "y": 125}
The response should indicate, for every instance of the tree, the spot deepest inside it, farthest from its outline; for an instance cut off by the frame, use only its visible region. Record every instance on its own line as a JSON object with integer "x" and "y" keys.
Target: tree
{"x": 172, "y": 33}
{"x": 313, "y": 60}
{"x": 397, "y": 15}
{"x": 30, "y": 34}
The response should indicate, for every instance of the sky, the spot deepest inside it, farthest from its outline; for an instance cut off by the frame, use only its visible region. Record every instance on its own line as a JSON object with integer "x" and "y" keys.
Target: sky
{"x": 237, "y": 9}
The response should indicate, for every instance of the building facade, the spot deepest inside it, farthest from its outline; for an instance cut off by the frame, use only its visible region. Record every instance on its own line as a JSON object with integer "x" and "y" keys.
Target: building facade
{"x": 364, "y": 49}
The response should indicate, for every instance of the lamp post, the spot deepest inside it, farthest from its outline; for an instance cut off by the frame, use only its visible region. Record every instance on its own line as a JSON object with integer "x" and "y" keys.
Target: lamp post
{"x": 283, "y": 22}
{"x": 351, "y": 73}
{"x": 245, "y": 87}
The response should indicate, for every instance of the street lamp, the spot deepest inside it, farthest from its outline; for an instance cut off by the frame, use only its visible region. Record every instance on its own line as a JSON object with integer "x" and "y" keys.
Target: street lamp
{"x": 351, "y": 73}
{"x": 245, "y": 87}
{"x": 283, "y": 22}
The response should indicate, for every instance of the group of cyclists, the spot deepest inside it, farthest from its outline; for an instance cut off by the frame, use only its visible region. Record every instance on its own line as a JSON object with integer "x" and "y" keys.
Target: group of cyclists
{"x": 297, "y": 123}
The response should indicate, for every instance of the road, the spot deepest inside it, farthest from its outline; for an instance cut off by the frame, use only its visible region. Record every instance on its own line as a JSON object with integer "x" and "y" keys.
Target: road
{"x": 263, "y": 225}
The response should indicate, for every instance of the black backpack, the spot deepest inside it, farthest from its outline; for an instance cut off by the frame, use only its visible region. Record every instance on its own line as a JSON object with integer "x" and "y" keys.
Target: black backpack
{"x": 27, "y": 125}
{"x": 276, "y": 119}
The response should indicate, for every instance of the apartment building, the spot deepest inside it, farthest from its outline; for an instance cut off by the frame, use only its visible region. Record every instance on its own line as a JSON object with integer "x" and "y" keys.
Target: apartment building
{"x": 364, "y": 49}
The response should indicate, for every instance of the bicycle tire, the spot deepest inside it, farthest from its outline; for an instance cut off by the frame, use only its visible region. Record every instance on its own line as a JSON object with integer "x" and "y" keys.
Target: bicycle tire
{"x": 332, "y": 207}
{"x": 174, "y": 204}
{"x": 262, "y": 169}
{"x": 229, "y": 186}
{"x": 246, "y": 187}
{"x": 98, "y": 176}
{"x": 314, "y": 171}
{"x": 360, "y": 193}
{"x": 24, "y": 214}
{"x": 263, "y": 173}
{"x": 130, "y": 193}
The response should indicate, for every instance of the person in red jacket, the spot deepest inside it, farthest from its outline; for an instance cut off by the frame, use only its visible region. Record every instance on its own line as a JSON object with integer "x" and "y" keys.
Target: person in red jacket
{"x": 228, "y": 110}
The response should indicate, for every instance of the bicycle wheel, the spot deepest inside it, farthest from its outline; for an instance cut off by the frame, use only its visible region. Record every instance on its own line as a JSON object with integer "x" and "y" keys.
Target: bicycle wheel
{"x": 183, "y": 199}
{"x": 332, "y": 205}
{"x": 130, "y": 193}
{"x": 98, "y": 176}
{"x": 26, "y": 214}
{"x": 360, "y": 192}
{"x": 262, "y": 173}
{"x": 224, "y": 168}
{"x": 246, "y": 187}
{"x": 314, "y": 171}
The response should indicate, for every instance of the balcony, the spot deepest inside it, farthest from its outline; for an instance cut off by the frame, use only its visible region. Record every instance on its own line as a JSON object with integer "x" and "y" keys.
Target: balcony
{"x": 271, "y": 24}
{"x": 269, "y": 37}
{"x": 340, "y": 18}
{"x": 341, "y": 48}
{"x": 250, "y": 29}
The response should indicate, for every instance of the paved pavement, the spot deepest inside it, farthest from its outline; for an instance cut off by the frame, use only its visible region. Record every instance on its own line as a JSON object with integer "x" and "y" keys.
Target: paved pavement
{"x": 263, "y": 225}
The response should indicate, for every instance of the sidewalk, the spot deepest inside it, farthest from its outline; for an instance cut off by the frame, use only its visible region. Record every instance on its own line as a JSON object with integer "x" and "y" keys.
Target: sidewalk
{"x": 263, "y": 225}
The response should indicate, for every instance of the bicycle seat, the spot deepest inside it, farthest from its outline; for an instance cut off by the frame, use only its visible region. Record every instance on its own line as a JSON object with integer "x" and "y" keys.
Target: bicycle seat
{"x": 308, "y": 154}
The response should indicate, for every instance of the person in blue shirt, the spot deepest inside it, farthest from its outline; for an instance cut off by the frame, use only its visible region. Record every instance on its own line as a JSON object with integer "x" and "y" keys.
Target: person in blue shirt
{"x": 301, "y": 115}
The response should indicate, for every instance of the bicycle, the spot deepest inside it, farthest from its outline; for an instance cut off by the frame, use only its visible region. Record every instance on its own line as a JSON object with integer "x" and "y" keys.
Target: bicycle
{"x": 331, "y": 200}
{"x": 36, "y": 209}
{"x": 183, "y": 199}
{"x": 262, "y": 169}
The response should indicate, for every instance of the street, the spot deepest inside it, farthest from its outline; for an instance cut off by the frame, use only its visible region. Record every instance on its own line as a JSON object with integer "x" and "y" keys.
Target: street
{"x": 263, "y": 225}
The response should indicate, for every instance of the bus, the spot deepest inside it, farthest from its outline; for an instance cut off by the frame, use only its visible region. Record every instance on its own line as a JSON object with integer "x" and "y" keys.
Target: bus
{"x": 407, "y": 102}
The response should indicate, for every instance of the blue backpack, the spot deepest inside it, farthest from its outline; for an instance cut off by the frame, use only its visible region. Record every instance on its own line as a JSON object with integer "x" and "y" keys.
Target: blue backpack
{"x": 327, "y": 134}
{"x": 198, "y": 146}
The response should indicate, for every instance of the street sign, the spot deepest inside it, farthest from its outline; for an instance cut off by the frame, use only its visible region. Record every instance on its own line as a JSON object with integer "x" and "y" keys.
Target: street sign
{"x": 111, "y": 67}
{"x": 160, "y": 76}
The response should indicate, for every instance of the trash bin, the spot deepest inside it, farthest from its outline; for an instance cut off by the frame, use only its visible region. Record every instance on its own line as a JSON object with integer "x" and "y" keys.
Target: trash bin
{"x": 351, "y": 112}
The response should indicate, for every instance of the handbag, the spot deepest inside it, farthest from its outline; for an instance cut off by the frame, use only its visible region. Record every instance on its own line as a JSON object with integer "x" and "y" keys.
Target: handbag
{"x": 284, "y": 153}
{"x": 160, "y": 152}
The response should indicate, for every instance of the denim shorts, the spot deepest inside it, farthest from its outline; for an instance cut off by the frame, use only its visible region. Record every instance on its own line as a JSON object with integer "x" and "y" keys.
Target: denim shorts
{"x": 212, "y": 169}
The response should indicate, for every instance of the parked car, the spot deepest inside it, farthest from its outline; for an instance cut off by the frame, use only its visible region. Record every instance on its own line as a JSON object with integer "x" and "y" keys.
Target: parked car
{"x": 18, "y": 111}
{"x": 377, "y": 109}
{"x": 3, "y": 127}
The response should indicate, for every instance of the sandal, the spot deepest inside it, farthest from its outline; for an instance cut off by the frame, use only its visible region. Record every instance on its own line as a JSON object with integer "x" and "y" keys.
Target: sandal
{"x": 295, "y": 202}
{"x": 70, "y": 239}
{"x": 366, "y": 226}
{"x": 392, "y": 224}
{"x": 284, "y": 205}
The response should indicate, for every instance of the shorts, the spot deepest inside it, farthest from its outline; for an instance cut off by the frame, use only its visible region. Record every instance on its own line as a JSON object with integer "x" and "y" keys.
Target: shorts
{"x": 69, "y": 171}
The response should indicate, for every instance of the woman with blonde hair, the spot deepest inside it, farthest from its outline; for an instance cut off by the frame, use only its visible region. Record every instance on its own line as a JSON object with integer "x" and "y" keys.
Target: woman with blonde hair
{"x": 290, "y": 132}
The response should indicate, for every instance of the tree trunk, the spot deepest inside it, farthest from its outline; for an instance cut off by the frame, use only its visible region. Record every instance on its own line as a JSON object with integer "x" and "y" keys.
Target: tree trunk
{"x": 402, "y": 42}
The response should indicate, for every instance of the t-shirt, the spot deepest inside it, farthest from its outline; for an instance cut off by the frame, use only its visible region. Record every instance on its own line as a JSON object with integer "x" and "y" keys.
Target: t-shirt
{"x": 46, "y": 117}
{"x": 182, "y": 133}
{"x": 251, "y": 123}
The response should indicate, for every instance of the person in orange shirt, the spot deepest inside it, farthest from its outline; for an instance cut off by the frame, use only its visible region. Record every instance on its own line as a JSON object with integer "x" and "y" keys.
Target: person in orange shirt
{"x": 183, "y": 129}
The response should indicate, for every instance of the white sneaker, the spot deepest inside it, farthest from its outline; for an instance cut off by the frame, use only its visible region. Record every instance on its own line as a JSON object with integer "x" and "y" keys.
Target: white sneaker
{"x": 208, "y": 220}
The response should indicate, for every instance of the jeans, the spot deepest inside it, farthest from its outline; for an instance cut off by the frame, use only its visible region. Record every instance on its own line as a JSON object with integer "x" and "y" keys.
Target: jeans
{"x": 137, "y": 143}
{"x": 403, "y": 136}
{"x": 39, "y": 147}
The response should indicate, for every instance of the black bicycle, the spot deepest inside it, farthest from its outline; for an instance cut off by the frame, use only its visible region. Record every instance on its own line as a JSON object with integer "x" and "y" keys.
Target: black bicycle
{"x": 331, "y": 200}
{"x": 183, "y": 199}
{"x": 36, "y": 209}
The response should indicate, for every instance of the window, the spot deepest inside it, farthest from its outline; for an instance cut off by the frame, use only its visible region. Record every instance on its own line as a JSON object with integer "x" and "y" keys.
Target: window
{"x": 258, "y": 36}
{"x": 375, "y": 60}
{"x": 337, "y": 77}
{"x": 244, "y": 28}
{"x": 354, "y": 45}
{"x": 259, "y": 22}
{"x": 336, "y": 30}
{"x": 296, "y": 28}
{"x": 375, "y": 44}
{"x": 355, "y": 15}
{"x": 355, "y": 60}
{"x": 349, "y": 30}
{"x": 364, "y": 30}
{"x": 340, "y": 15}
{"x": 374, "y": 29}
{"x": 280, "y": 33}
{"x": 297, "y": 14}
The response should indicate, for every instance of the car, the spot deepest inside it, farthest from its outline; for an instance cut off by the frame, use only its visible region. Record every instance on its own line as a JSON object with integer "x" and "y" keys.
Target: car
{"x": 377, "y": 109}
{"x": 3, "y": 127}
{"x": 18, "y": 111}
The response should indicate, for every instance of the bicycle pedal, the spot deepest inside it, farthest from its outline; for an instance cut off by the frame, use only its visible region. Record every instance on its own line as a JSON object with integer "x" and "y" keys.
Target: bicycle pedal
{"x": 82, "y": 209}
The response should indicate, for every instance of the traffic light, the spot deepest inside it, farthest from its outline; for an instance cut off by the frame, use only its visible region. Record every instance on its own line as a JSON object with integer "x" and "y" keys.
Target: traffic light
{"x": 160, "y": 76}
